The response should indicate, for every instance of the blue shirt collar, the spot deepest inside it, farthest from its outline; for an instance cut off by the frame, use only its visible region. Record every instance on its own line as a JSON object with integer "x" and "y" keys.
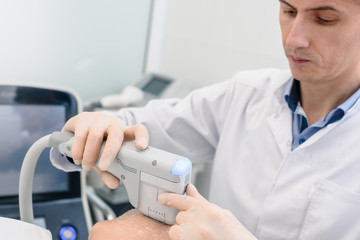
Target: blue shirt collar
{"x": 292, "y": 97}
{"x": 292, "y": 94}
{"x": 350, "y": 102}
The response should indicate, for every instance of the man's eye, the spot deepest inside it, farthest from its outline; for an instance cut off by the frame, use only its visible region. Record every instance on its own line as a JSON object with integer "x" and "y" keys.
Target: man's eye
{"x": 325, "y": 21}
{"x": 290, "y": 12}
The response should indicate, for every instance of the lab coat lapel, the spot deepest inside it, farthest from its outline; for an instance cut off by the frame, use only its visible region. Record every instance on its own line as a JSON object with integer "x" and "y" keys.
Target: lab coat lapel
{"x": 318, "y": 135}
{"x": 280, "y": 125}
{"x": 280, "y": 120}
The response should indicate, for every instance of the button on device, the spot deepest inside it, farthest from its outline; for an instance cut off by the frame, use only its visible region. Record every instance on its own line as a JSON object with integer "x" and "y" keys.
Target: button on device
{"x": 67, "y": 233}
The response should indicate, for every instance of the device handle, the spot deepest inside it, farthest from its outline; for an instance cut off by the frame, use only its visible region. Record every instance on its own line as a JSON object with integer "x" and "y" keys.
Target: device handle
{"x": 27, "y": 177}
{"x": 62, "y": 141}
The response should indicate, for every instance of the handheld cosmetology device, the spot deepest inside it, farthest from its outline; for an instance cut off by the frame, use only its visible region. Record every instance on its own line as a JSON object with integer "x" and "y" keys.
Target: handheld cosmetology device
{"x": 144, "y": 173}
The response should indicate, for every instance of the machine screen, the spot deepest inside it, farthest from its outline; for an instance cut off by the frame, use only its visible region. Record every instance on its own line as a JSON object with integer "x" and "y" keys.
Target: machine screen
{"x": 156, "y": 85}
{"x": 20, "y": 126}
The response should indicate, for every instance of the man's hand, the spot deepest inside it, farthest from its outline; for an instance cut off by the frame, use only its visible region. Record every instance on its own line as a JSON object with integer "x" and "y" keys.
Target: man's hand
{"x": 200, "y": 219}
{"x": 90, "y": 130}
{"x": 131, "y": 225}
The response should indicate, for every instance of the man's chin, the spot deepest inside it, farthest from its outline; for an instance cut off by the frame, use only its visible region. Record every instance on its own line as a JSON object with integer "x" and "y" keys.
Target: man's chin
{"x": 303, "y": 74}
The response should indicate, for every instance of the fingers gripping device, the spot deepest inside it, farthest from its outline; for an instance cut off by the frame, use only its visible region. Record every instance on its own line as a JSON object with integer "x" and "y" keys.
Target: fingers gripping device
{"x": 144, "y": 173}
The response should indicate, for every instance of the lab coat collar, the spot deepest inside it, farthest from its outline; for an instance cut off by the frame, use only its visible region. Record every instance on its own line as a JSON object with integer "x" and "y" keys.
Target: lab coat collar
{"x": 284, "y": 81}
{"x": 281, "y": 118}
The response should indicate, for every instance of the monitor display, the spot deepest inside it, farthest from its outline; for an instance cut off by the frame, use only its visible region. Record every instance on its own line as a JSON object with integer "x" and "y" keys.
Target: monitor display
{"x": 156, "y": 85}
{"x": 20, "y": 126}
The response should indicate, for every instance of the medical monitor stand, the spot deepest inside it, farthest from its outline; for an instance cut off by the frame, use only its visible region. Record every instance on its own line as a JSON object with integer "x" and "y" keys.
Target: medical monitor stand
{"x": 29, "y": 113}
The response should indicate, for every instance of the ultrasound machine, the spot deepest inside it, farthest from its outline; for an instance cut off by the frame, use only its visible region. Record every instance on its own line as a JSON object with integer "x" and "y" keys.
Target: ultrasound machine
{"x": 26, "y": 114}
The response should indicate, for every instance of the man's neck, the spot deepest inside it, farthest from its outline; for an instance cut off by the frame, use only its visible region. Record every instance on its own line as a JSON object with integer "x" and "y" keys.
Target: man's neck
{"x": 319, "y": 98}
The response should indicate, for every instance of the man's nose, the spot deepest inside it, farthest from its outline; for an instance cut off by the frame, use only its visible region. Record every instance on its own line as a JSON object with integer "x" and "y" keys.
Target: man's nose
{"x": 298, "y": 36}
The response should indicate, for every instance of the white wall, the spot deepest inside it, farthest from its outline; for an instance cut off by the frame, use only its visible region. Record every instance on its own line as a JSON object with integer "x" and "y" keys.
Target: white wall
{"x": 94, "y": 47}
{"x": 206, "y": 41}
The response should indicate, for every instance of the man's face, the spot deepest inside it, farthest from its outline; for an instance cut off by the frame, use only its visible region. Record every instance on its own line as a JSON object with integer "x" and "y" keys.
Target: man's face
{"x": 321, "y": 38}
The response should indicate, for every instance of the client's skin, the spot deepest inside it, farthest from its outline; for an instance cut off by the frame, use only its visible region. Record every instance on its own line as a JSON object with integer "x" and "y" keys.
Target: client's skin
{"x": 132, "y": 225}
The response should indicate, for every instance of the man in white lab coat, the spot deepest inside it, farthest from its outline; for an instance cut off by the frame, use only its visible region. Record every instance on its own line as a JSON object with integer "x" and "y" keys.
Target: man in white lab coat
{"x": 285, "y": 144}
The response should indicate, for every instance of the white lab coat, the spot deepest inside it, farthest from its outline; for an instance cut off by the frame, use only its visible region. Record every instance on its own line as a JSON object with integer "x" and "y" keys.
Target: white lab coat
{"x": 244, "y": 126}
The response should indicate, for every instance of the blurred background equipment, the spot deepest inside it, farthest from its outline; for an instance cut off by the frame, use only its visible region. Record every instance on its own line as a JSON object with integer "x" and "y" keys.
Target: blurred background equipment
{"x": 148, "y": 87}
{"x": 29, "y": 112}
